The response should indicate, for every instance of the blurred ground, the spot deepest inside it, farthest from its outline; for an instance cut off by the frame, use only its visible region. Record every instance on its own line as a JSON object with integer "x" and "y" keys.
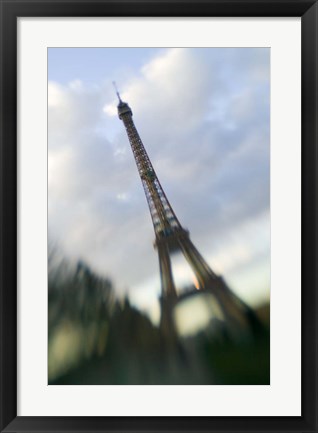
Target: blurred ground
{"x": 94, "y": 338}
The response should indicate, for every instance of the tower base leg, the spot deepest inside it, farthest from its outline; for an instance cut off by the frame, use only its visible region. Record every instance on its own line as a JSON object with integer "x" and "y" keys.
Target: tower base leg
{"x": 167, "y": 324}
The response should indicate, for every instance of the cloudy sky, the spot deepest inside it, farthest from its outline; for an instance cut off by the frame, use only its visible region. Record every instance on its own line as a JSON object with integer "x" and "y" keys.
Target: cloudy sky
{"x": 203, "y": 116}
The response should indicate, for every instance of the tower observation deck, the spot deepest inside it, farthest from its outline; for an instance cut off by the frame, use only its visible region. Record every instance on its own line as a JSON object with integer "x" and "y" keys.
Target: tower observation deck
{"x": 170, "y": 237}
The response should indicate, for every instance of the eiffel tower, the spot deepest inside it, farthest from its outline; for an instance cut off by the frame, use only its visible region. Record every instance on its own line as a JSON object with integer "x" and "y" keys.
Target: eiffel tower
{"x": 171, "y": 237}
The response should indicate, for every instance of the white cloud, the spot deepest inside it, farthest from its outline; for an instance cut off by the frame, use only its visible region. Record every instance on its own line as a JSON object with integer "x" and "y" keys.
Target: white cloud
{"x": 110, "y": 109}
{"x": 55, "y": 95}
{"x": 76, "y": 85}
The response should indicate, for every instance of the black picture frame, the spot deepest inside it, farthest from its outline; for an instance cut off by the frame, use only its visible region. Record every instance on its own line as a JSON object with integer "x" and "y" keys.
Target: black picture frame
{"x": 10, "y": 11}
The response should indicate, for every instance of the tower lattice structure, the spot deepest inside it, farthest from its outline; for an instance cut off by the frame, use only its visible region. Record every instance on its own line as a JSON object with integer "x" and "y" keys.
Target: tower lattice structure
{"x": 171, "y": 237}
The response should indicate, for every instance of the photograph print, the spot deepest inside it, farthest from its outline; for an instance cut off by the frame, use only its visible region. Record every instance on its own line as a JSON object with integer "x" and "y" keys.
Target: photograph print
{"x": 158, "y": 216}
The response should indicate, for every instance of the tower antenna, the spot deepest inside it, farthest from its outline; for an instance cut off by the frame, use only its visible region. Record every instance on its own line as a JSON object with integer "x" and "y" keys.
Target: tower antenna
{"x": 116, "y": 90}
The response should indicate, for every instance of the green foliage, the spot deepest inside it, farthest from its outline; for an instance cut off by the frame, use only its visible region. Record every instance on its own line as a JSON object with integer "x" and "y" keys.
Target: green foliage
{"x": 95, "y": 338}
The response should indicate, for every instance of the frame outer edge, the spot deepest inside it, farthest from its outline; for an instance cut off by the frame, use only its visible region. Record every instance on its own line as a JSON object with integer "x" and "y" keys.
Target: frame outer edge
{"x": 309, "y": 190}
{"x": 8, "y": 227}
{"x": 8, "y": 215}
